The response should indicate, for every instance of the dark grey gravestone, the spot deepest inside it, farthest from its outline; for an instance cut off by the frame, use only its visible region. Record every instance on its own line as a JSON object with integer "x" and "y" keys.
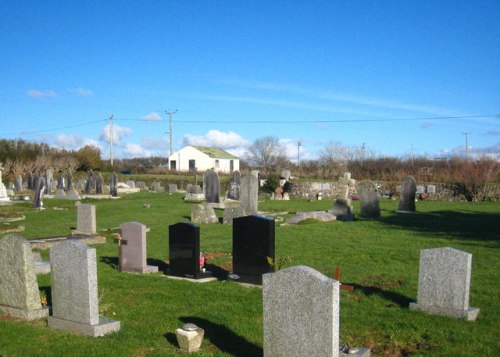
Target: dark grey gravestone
{"x": 368, "y": 199}
{"x": 99, "y": 184}
{"x": 49, "y": 178}
{"x": 253, "y": 244}
{"x": 75, "y": 303}
{"x": 211, "y": 186}
{"x": 113, "y": 184}
{"x": 184, "y": 250}
{"x": 38, "y": 196}
{"x": 36, "y": 179}
{"x": 133, "y": 257}
{"x": 19, "y": 183}
{"x": 407, "y": 196}
{"x": 19, "y": 294}
{"x": 30, "y": 181}
{"x": 90, "y": 184}
{"x": 249, "y": 194}
{"x": 60, "y": 183}
{"x": 342, "y": 209}
{"x": 234, "y": 186}
{"x": 69, "y": 181}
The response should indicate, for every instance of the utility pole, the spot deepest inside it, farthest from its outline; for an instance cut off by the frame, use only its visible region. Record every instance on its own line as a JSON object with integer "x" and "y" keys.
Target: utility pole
{"x": 466, "y": 145}
{"x": 298, "y": 153}
{"x": 170, "y": 131}
{"x": 111, "y": 139}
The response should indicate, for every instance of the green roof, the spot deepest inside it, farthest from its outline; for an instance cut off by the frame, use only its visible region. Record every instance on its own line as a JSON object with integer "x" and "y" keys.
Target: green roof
{"x": 215, "y": 152}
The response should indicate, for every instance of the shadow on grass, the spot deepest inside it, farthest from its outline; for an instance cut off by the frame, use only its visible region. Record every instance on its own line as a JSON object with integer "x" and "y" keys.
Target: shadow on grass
{"x": 113, "y": 263}
{"x": 399, "y": 299}
{"x": 463, "y": 225}
{"x": 222, "y": 337}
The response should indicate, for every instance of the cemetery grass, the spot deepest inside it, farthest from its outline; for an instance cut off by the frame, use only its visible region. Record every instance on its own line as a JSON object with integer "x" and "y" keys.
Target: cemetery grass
{"x": 380, "y": 258}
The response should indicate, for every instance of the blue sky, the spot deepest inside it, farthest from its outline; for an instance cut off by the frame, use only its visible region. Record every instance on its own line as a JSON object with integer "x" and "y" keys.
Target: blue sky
{"x": 396, "y": 76}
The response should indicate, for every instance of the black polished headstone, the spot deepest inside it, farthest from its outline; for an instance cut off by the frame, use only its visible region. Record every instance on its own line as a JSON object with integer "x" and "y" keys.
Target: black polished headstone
{"x": 184, "y": 250}
{"x": 253, "y": 244}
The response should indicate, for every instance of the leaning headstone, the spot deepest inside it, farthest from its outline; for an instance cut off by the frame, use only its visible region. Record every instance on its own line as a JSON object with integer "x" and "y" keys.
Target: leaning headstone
{"x": 19, "y": 294}
{"x": 184, "y": 251}
{"x": 133, "y": 249}
{"x": 444, "y": 283}
{"x": 249, "y": 194}
{"x": 75, "y": 304}
{"x": 368, "y": 198}
{"x": 19, "y": 183}
{"x": 407, "y": 196}
{"x": 253, "y": 247}
{"x": 211, "y": 186}
{"x": 342, "y": 209}
{"x": 99, "y": 184}
{"x": 86, "y": 219}
{"x": 49, "y": 178}
{"x": 234, "y": 186}
{"x": 203, "y": 213}
{"x": 38, "y": 196}
{"x": 69, "y": 181}
{"x": 113, "y": 184}
{"x": 301, "y": 315}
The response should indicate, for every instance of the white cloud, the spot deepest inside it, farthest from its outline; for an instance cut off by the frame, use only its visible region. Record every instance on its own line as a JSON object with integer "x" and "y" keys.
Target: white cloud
{"x": 118, "y": 134}
{"x": 41, "y": 93}
{"x": 73, "y": 141}
{"x": 135, "y": 150}
{"x": 216, "y": 138}
{"x": 492, "y": 152}
{"x": 82, "y": 92}
{"x": 154, "y": 116}
{"x": 292, "y": 149}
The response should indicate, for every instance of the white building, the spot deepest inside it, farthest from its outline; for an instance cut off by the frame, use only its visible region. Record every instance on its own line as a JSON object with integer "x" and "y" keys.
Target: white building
{"x": 203, "y": 158}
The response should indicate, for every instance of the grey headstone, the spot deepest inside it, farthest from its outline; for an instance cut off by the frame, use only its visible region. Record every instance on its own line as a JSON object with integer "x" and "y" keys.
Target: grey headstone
{"x": 342, "y": 209}
{"x": 431, "y": 189}
{"x": 130, "y": 183}
{"x": 141, "y": 185}
{"x": 420, "y": 189}
{"x": 72, "y": 194}
{"x": 99, "y": 184}
{"x": 407, "y": 196}
{"x": 234, "y": 186}
{"x": 301, "y": 313}
{"x": 172, "y": 188}
{"x": 113, "y": 184}
{"x": 211, "y": 186}
{"x": 368, "y": 197}
{"x": 444, "y": 283}
{"x": 49, "y": 178}
{"x": 286, "y": 174}
{"x": 90, "y": 184}
{"x": 19, "y": 183}
{"x": 75, "y": 304}
{"x": 19, "y": 294}
{"x": 157, "y": 187}
{"x": 69, "y": 181}
{"x": 249, "y": 194}
{"x": 203, "y": 213}
{"x": 60, "y": 194}
{"x": 133, "y": 249}
{"x": 39, "y": 190}
{"x": 80, "y": 185}
{"x": 86, "y": 220}
{"x": 232, "y": 211}
{"x": 317, "y": 215}
{"x": 60, "y": 182}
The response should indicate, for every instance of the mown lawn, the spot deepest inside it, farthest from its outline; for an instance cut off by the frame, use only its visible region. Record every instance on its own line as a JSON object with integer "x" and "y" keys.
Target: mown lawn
{"x": 379, "y": 257}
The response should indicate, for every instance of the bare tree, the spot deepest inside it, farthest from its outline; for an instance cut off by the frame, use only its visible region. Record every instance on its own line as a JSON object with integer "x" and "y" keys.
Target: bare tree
{"x": 266, "y": 154}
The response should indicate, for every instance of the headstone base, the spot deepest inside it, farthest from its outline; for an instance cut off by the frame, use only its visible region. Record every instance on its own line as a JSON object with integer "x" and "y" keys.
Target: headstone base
{"x": 104, "y": 327}
{"x": 148, "y": 269}
{"x": 189, "y": 341}
{"x": 41, "y": 267}
{"x": 470, "y": 314}
{"x": 356, "y": 351}
{"x": 28, "y": 315}
{"x": 203, "y": 278}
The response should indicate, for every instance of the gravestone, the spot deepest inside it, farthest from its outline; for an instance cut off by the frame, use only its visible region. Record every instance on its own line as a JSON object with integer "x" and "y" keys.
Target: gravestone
{"x": 86, "y": 219}
{"x": 184, "y": 251}
{"x": 80, "y": 185}
{"x": 133, "y": 249}
{"x": 113, "y": 185}
{"x": 203, "y": 213}
{"x": 130, "y": 183}
{"x": 19, "y": 183}
{"x": 234, "y": 186}
{"x": 249, "y": 194}
{"x": 342, "y": 209}
{"x": 286, "y": 174}
{"x": 211, "y": 186}
{"x": 60, "y": 183}
{"x": 90, "y": 184}
{"x": 431, "y": 189}
{"x": 38, "y": 196}
{"x": 72, "y": 194}
{"x": 19, "y": 294}
{"x": 301, "y": 313}
{"x": 444, "y": 283}
{"x": 368, "y": 198}
{"x": 49, "y": 178}
{"x": 157, "y": 187}
{"x": 253, "y": 245}
{"x": 30, "y": 181}
{"x": 407, "y": 196}
{"x": 60, "y": 194}
{"x": 172, "y": 188}
{"x": 75, "y": 304}
{"x": 232, "y": 211}
{"x": 141, "y": 185}
{"x": 3, "y": 190}
{"x": 69, "y": 181}
{"x": 99, "y": 184}
{"x": 420, "y": 189}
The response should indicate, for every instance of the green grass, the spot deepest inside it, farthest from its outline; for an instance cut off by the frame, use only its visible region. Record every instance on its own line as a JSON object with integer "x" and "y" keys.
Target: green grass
{"x": 379, "y": 257}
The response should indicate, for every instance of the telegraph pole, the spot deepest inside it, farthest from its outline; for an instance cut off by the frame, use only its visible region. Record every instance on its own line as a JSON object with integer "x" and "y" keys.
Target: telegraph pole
{"x": 298, "y": 153}
{"x": 170, "y": 131}
{"x": 111, "y": 138}
{"x": 466, "y": 145}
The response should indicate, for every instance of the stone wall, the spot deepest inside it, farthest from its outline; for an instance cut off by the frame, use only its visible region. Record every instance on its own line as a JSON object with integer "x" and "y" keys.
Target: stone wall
{"x": 444, "y": 191}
